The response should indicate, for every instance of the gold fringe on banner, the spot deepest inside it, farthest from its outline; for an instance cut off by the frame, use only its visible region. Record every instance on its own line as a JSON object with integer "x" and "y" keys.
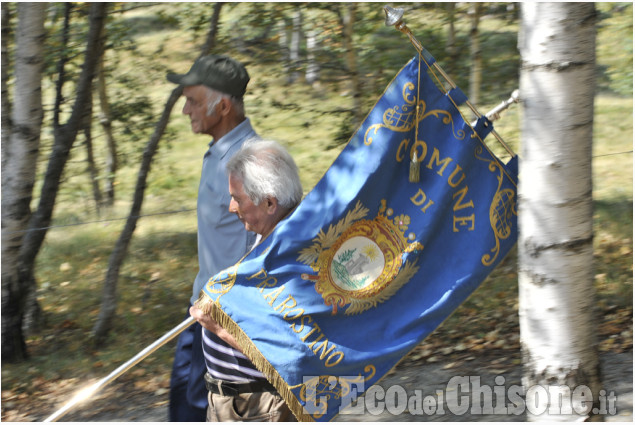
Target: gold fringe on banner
{"x": 213, "y": 309}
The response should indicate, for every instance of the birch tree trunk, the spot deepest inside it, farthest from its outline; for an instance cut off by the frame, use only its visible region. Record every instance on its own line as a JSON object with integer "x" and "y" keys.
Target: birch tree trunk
{"x": 451, "y": 49}
{"x": 5, "y": 114}
{"x": 64, "y": 138}
{"x": 348, "y": 26}
{"x": 19, "y": 246}
{"x": 294, "y": 48}
{"x": 106, "y": 124}
{"x": 312, "y": 74}
{"x": 91, "y": 165}
{"x": 476, "y": 57}
{"x": 283, "y": 46}
{"x": 20, "y": 145}
{"x": 555, "y": 244}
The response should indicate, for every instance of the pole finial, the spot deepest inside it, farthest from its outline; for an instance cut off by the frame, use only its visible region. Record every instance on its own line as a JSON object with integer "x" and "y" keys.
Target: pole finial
{"x": 393, "y": 15}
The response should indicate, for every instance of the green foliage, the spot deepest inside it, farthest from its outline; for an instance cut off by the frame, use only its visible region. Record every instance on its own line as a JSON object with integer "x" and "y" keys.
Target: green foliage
{"x": 134, "y": 118}
{"x": 189, "y": 16}
{"x": 70, "y": 51}
{"x": 613, "y": 195}
{"x": 139, "y": 24}
{"x": 615, "y": 47}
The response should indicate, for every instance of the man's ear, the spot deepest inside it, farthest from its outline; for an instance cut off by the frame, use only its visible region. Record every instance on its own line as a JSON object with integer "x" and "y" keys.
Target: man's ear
{"x": 272, "y": 205}
{"x": 225, "y": 105}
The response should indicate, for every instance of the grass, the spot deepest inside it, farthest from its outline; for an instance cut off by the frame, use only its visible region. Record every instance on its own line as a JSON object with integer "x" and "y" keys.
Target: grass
{"x": 155, "y": 281}
{"x": 613, "y": 195}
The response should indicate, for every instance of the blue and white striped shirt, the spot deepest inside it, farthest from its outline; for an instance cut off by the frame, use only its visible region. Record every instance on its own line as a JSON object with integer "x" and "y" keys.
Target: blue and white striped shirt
{"x": 226, "y": 363}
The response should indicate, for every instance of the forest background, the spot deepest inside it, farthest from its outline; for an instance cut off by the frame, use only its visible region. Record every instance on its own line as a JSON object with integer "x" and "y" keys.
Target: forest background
{"x": 307, "y": 92}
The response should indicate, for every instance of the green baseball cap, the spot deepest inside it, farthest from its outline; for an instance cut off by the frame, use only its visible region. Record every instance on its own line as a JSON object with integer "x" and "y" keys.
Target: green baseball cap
{"x": 218, "y": 72}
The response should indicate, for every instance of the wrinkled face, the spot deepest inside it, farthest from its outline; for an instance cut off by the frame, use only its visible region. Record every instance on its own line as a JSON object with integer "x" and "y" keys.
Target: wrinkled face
{"x": 196, "y": 106}
{"x": 256, "y": 218}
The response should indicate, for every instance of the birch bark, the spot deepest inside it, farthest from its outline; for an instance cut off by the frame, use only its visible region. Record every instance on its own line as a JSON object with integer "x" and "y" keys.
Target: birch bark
{"x": 20, "y": 146}
{"x": 557, "y": 298}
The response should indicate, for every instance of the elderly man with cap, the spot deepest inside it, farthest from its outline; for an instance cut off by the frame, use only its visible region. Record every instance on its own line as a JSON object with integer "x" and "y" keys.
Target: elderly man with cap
{"x": 213, "y": 89}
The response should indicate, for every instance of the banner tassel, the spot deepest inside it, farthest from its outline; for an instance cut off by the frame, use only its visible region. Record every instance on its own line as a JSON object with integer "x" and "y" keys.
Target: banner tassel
{"x": 414, "y": 176}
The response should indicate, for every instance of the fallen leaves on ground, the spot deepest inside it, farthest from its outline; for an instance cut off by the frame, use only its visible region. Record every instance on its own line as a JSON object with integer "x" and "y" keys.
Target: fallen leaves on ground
{"x": 501, "y": 343}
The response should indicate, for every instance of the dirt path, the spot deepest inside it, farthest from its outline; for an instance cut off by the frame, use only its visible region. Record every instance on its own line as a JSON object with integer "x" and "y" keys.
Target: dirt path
{"x": 432, "y": 379}
{"x": 123, "y": 402}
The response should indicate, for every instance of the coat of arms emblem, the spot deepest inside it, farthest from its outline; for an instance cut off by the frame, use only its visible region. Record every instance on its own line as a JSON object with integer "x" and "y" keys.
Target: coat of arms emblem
{"x": 360, "y": 262}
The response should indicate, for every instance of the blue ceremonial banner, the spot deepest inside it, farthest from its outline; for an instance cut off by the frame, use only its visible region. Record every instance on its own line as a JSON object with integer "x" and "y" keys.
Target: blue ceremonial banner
{"x": 370, "y": 262}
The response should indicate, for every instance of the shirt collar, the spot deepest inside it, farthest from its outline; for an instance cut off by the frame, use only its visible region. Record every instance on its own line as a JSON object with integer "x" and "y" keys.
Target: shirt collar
{"x": 221, "y": 146}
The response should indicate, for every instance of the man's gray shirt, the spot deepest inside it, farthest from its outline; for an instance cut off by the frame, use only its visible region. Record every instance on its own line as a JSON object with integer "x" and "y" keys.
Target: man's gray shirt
{"x": 222, "y": 238}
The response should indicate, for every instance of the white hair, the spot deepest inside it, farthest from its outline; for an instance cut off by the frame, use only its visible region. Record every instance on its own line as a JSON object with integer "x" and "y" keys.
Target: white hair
{"x": 265, "y": 168}
{"x": 215, "y": 96}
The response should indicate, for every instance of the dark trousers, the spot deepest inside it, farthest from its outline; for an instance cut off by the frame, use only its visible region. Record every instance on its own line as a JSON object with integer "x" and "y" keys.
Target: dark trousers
{"x": 188, "y": 395}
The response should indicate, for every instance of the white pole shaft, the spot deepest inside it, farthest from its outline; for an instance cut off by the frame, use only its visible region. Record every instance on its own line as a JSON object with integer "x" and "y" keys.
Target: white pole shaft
{"x": 88, "y": 392}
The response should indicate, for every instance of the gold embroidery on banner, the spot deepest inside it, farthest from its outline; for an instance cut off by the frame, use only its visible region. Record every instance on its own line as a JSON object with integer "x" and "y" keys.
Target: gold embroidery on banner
{"x": 501, "y": 210}
{"x": 222, "y": 284}
{"x": 359, "y": 262}
{"x": 403, "y": 118}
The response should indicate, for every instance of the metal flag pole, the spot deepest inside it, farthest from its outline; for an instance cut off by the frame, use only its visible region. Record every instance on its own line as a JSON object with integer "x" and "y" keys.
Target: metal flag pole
{"x": 86, "y": 393}
{"x": 394, "y": 17}
{"x": 494, "y": 114}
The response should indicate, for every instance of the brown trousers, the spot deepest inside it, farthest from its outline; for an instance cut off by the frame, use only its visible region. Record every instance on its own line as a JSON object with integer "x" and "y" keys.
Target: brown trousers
{"x": 248, "y": 407}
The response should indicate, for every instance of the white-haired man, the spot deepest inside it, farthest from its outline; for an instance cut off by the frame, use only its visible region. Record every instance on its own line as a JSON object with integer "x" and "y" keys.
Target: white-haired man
{"x": 265, "y": 187}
